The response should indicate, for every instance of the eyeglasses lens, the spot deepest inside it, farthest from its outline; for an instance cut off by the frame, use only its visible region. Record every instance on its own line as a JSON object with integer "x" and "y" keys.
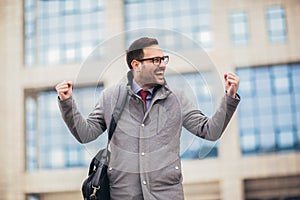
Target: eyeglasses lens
{"x": 157, "y": 61}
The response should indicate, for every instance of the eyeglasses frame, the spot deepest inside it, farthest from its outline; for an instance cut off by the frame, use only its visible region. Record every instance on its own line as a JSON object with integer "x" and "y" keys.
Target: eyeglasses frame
{"x": 152, "y": 59}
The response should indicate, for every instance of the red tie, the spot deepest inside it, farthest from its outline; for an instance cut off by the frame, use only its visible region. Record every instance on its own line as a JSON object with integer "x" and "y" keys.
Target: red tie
{"x": 144, "y": 95}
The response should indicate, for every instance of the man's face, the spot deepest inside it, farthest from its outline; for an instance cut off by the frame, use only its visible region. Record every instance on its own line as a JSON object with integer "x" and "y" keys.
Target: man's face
{"x": 146, "y": 73}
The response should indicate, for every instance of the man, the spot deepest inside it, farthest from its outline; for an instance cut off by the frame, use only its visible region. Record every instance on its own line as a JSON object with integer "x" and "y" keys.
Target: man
{"x": 145, "y": 155}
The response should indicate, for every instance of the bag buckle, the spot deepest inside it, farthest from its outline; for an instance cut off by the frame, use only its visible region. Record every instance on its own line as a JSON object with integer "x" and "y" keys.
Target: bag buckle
{"x": 95, "y": 189}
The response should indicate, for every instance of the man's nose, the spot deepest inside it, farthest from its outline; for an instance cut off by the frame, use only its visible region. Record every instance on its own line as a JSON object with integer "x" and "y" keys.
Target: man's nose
{"x": 162, "y": 64}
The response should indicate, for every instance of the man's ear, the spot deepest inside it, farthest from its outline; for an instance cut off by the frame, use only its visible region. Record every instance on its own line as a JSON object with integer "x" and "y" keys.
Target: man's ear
{"x": 135, "y": 64}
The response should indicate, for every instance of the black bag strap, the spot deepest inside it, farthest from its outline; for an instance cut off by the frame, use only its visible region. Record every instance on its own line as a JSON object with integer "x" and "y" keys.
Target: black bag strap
{"x": 102, "y": 157}
{"x": 121, "y": 101}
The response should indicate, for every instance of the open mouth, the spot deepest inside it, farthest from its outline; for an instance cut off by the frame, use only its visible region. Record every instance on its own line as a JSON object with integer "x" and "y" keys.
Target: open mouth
{"x": 160, "y": 75}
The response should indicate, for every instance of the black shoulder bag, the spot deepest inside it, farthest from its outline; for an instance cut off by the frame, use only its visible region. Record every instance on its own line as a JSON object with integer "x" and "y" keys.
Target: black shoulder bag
{"x": 96, "y": 185}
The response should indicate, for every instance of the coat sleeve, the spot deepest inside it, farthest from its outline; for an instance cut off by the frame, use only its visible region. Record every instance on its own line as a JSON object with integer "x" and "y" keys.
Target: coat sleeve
{"x": 209, "y": 128}
{"x": 84, "y": 130}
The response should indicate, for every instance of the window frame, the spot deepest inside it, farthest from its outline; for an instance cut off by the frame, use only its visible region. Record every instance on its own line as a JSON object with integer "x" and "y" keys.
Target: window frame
{"x": 273, "y": 13}
{"x": 34, "y": 156}
{"x": 239, "y": 17}
{"x": 282, "y": 111}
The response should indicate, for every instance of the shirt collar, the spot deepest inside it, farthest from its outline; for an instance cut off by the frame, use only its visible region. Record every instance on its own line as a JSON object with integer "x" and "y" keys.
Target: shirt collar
{"x": 136, "y": 88}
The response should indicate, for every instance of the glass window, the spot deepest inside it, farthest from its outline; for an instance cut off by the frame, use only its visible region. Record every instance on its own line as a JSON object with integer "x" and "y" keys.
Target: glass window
{"x": 239, "y": 28}
{"x": 196, "y": 87}
{"x": 59, "y": 24}
{"x": 267, "y": 141}
{"x": 192, "y": 18}
{"x": 49, "y": 144}
{"x": 273, "y": 110}
{"x": 285, "y": 138}
{"x": 249, "y": 140}
{"x": 31, "y": 133}
{"x": 264, "y": 105}
{"x": 295, "y": 80}
{"x": 276, "y": 23}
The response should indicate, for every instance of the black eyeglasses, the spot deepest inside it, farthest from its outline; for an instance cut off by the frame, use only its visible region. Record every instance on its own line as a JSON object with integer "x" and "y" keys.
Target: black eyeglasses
{"x": 156, "y": 60}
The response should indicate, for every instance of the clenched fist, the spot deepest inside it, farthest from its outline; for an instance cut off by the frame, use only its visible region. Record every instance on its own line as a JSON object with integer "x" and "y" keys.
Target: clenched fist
{"x": 232, "y": 82}
{"x": 64, "y": 89}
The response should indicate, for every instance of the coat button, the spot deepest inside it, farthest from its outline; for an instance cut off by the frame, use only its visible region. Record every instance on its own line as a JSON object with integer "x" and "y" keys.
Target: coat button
{"x": 143, "y": 153}
{"x": 110, "y": 168}
{"x": 176, "y": 167}
{"x": 143, "y": 125}
{"x": 144, "y": 182}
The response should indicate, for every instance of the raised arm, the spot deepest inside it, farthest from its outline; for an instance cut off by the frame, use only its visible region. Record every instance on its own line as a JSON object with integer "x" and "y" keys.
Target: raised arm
{"x": 212, "y": 128}
{"x": 84, "y": 130}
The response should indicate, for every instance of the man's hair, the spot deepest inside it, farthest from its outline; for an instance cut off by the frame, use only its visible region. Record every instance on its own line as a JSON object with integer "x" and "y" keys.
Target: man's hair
{"x": 135, "y": 50}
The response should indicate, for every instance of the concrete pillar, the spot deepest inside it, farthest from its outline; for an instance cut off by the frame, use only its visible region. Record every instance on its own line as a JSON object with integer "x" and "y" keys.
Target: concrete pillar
{"x": 11, "y": 103}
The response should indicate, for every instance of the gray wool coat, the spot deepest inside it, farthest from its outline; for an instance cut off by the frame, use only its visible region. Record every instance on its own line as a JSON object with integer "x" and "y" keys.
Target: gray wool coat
{"x": 145, "y": 148}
